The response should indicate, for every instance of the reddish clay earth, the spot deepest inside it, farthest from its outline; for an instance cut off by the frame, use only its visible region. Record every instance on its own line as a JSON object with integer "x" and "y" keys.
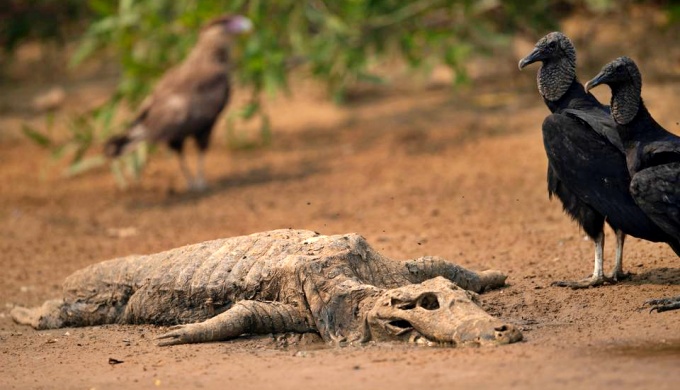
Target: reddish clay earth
{"x": 416, "y": 171}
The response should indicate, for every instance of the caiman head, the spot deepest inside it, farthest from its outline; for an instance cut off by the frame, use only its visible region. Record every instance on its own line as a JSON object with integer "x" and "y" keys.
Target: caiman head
{"x": 436, "y": 312}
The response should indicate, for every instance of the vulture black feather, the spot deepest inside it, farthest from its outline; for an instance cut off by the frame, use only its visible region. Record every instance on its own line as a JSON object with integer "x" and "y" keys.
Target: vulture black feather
{"x": 188, "y": 99}
{"x": 586, "y": 162}
{"x": 652, "y": 154}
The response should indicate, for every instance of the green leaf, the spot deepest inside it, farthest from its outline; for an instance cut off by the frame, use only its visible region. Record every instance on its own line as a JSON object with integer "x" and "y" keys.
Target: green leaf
{"x": 83, "y": 165}
{"x": 37, "y": 137}
{"x": 371, "y": 78}
{"x": 250, "y": 109}
{"x": 102, "y": 7}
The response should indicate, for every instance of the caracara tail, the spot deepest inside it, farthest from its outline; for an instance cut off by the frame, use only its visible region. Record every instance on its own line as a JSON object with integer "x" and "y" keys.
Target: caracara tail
{"x": 115, "y": 145}
{"x": 122, "y": 143}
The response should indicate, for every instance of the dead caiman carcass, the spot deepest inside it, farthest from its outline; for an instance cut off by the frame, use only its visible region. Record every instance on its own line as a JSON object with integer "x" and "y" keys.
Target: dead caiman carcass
{"x": 281, "y": 281}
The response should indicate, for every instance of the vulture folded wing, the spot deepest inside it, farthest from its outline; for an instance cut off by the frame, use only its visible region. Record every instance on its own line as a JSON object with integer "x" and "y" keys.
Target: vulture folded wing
{"x": 600, "y": 121}
{"x": 657, "y": 191}
{"x": 660, "y": 152}
{"x": 594, "y": 169}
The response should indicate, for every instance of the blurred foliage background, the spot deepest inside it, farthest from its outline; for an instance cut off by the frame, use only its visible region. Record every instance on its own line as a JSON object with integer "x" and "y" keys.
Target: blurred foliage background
{"x": 338, "y": 42}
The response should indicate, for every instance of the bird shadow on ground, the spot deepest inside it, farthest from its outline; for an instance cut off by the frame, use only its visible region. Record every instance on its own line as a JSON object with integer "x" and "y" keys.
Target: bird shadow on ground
{"x": 416, "y": 129}
{"x": 661, "y": 276}
{"x": 253, "y": 177}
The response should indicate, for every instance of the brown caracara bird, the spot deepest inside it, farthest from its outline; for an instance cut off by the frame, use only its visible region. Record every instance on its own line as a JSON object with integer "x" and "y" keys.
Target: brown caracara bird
{"x": 188, "y": 99}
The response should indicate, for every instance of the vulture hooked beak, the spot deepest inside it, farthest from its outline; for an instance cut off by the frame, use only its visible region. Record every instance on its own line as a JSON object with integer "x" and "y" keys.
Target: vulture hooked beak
{"x": 536, "y": 55}
{"x": 595, "y": 81}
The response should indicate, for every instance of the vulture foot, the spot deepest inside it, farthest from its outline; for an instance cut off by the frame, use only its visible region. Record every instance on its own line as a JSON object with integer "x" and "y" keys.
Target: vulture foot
{"x": 618, "y": 276}
{"x": 592, "y": 281}
{"x": 663, "y": 304}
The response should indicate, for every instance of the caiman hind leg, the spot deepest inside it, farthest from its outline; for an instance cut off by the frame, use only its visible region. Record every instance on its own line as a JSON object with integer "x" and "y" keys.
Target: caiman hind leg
{"x": 251, "y": 317}
{"x": 428, "y": 267}
{"x": 47, "y": 316}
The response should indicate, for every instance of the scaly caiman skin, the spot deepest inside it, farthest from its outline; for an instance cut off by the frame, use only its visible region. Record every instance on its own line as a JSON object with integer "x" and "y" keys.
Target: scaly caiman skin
{"x": 281, "y": 281}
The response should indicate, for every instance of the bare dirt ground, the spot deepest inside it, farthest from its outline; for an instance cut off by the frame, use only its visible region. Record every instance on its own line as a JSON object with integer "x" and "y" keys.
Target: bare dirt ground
{"x": 416, "y": 171}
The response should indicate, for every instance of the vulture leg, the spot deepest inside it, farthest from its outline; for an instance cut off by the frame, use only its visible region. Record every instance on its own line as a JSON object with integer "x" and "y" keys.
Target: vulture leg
{"x": 598, "y": 278}
{"x": 617, "y": 272}
{"x": 664, "y": 304}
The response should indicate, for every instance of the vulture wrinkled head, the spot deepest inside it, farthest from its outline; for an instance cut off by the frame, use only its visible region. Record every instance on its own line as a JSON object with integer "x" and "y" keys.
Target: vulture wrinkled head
{"x": 622, "y": 70}
{"x": 551, "y": 48}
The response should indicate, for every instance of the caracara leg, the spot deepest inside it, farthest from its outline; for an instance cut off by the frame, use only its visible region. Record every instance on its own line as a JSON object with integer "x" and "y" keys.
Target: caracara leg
{"x": 251, "y": 317}
{"x": 185, "y": 170}
{"x": 199, "y": 183}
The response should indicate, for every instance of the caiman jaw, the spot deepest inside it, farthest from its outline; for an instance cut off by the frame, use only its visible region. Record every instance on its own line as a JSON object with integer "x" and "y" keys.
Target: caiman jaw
{"x": 399, "y": 327}
{"x": 436, "y": 313}
{"x": 403, "y": 330}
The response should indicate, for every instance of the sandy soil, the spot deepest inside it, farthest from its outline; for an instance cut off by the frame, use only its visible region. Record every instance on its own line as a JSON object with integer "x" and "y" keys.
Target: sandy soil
{"x": 416, "y": 171}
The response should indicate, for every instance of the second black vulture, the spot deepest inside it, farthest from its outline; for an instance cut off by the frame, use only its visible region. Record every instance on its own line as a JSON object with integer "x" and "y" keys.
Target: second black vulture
{"x": 188, "y": 99}
{"x": 652, "y": 153}
{"x": 586, "y": 163}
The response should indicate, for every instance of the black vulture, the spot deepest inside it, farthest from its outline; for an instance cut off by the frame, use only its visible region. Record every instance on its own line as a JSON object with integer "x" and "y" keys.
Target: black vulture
{"x": 652, "y": 153}
{"x": 586, "y": 163}
{"x": 188, "y": 98}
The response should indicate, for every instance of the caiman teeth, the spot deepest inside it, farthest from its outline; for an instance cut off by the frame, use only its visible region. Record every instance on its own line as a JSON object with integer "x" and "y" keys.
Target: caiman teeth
{"x": 400, "y": 331}
{"x": 399, "y": 326}
{"x": 419, "y": 339}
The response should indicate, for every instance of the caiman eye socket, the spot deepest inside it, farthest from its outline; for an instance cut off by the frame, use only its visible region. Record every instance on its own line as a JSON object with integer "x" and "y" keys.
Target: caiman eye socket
{"x": 402, "y": 305}
{"x": 429, "y": 302}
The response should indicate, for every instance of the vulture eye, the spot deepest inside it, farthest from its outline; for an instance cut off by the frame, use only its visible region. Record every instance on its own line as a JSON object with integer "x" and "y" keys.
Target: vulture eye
{"x": 552, "y": 45}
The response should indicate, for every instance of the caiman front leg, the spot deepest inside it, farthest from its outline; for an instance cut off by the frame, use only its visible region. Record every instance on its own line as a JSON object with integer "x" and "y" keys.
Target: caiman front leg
{"x": 428, "y": 267}
{"x": 251, "y": 317}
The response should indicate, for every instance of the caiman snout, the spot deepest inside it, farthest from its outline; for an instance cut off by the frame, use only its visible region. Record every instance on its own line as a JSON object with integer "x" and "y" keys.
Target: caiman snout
{"x": 486, "y": 331}
{"x": 506, "y": 334}
{"x": 436, "y": 312}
